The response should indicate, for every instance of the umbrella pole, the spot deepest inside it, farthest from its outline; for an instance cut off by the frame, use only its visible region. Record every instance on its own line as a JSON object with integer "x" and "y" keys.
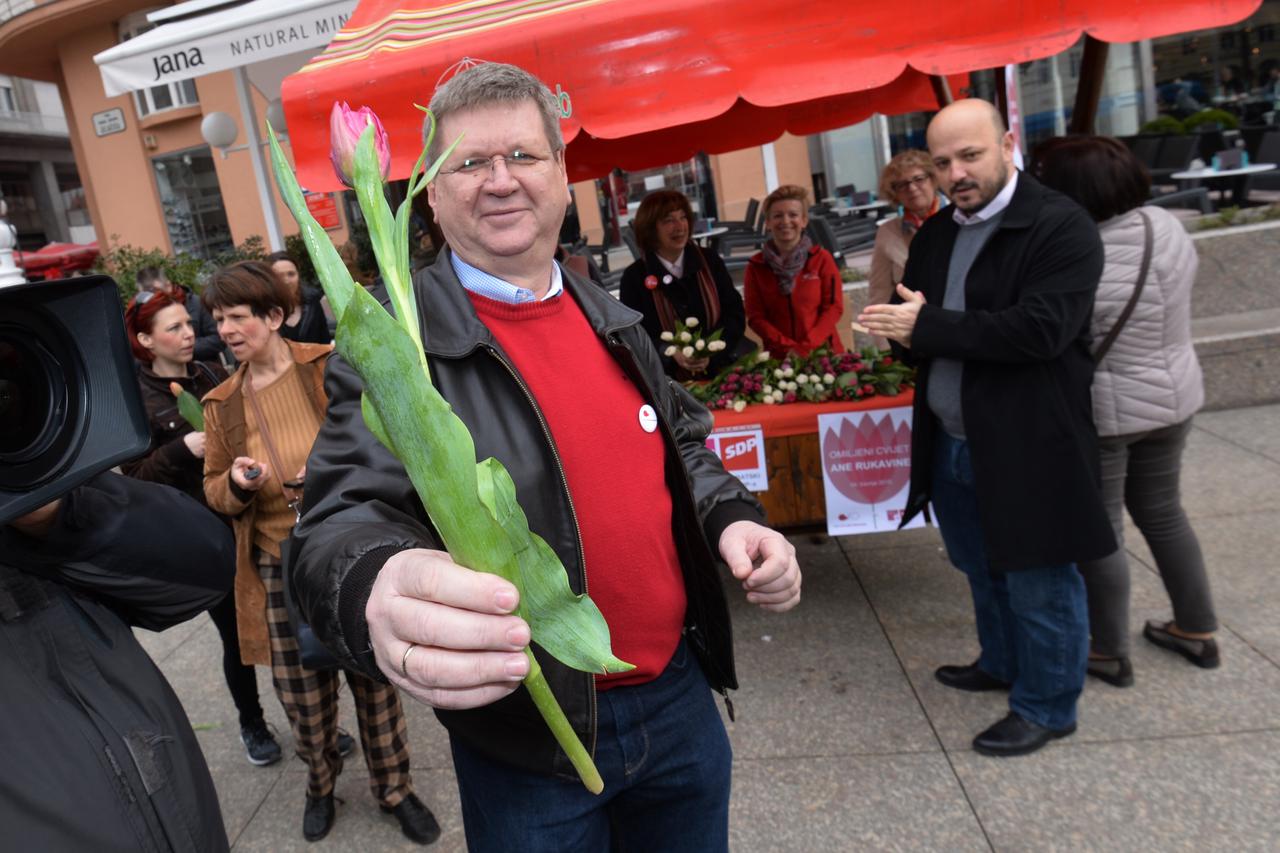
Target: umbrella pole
{"x": 1093, "y": 65}
{"x": 260, "y": 175}
{"x": 941, "y": 90}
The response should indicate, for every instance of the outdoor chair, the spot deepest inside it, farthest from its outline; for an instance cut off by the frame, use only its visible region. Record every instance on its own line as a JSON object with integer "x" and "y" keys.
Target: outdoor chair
{"x": 629, "y": 240}
{"x": 748, "y": 220}
{"x": 1176, "y": 154}
{"x": 1147, "y": 149}
{"x": 1268, "y": 151}
{"x": 1196, "y": 199}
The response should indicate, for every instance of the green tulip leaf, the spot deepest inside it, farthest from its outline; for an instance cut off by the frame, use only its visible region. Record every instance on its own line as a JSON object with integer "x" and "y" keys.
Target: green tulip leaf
{"x": 570, "y": 627}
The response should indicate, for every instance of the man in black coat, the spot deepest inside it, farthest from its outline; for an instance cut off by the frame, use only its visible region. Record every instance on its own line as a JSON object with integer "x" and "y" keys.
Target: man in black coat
{"x": 99, "y": 754}
{"x": 994, "y": 309}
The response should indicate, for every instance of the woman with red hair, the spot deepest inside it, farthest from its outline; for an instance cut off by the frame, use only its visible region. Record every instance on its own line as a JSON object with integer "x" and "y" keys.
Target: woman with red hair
{"x": 163, "y": 341}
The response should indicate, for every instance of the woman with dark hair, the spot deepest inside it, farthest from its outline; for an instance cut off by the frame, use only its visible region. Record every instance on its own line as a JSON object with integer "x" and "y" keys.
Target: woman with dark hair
{"x": 306, "y": 323}
{"x": 1146, "y": 388}
{"x": 260, "y": 425}
{"x": 676, "y": 280}
{"x": 162, "y": 337}
{"x": 793, "y": 291}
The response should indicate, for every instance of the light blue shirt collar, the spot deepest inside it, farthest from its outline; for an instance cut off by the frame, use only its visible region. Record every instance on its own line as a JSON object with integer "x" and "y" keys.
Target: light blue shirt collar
{"x": 491, "y": 287}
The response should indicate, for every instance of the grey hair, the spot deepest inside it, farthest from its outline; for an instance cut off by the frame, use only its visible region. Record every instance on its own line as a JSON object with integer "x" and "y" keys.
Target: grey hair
{"x": 495, "y": 83}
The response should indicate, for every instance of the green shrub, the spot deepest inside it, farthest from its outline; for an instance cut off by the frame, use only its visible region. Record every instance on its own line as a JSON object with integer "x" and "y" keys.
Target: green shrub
{"x": 123, "y": 261}
{"x": 1223, "y": 119}
{"x": 848, "y": 274}
{"x": 1164, "y": 124}
{"x": 297, "y": 249}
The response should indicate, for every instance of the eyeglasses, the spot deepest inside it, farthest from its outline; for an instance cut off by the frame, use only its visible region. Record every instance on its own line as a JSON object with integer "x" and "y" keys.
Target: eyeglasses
{"x": 899, "y": 186}
{"x": 480, "y": 168}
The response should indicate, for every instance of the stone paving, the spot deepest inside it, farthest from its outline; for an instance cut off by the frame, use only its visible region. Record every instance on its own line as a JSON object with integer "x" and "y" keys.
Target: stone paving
{"x": 844, "y": 741}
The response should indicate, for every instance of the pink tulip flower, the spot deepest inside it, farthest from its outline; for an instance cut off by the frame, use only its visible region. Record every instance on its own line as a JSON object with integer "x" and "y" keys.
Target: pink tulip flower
{"x": 345, "y": 127}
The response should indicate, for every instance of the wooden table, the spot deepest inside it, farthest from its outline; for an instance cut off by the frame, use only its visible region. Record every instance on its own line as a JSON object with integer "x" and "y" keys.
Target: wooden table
{"x": 793, "y": 456}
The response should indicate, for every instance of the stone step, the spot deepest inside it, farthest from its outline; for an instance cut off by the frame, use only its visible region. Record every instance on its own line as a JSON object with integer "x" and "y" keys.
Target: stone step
{"x": 1240, "y": 356}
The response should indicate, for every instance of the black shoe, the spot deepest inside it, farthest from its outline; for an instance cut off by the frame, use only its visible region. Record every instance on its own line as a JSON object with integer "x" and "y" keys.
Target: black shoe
{"x": 259, "y": 745}
{"x": 969, "y": 678}
{"x": 1117, "y": 672}
{"x": 416, "y": 820}
{"x": 1015, "y": 735}
{"x": 1202, "y": 653}
{"x": 317, "y": 817}
{"x": 346, "y": 743}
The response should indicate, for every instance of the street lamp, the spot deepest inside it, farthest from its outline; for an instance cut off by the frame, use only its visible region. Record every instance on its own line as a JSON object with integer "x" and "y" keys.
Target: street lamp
{"x": 9, "y": 272}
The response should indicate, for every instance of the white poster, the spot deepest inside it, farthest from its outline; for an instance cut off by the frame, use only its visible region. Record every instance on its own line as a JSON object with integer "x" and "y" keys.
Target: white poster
{"x": 741, "y": 450}
{"x": 866, "y": 469}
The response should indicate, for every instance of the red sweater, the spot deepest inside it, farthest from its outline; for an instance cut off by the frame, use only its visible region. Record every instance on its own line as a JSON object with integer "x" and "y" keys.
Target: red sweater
{"x": 803, "y": 320}
{"x": 616, "y": 474}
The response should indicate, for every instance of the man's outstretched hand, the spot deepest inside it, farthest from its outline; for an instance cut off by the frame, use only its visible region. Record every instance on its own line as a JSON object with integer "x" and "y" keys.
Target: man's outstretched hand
{"x": 765, "y": 562}
{"x": 445, "y": 634}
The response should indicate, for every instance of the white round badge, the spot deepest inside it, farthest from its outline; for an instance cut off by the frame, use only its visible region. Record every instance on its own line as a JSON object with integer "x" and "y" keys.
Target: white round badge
{"x": 648, "y": 418}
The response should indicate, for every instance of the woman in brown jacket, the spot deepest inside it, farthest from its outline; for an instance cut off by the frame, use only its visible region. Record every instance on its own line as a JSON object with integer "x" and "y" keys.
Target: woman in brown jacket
{"x": 163, "y": 338}
{"x": 259, "y": 427}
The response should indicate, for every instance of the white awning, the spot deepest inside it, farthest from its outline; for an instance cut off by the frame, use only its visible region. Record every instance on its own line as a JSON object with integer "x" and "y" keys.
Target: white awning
{"x": 219, "y": 40}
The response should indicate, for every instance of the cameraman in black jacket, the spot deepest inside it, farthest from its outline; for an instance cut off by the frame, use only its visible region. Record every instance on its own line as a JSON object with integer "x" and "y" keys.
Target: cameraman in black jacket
{"x": 98, "y": 752}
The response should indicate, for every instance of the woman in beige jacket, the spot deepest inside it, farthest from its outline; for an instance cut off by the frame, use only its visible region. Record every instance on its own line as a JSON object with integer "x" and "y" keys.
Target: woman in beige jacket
{"x": 1147, "y": 386}
{"x": 908, "y": 181}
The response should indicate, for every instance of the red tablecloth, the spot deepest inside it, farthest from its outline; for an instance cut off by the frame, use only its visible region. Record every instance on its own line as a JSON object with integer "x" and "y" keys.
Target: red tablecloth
{"x": 800, "y": 418}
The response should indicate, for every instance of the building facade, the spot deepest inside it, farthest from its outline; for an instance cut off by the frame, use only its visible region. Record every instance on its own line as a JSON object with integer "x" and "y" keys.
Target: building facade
{"x": 136, "y": 169}
{"x": 38, "y": 176}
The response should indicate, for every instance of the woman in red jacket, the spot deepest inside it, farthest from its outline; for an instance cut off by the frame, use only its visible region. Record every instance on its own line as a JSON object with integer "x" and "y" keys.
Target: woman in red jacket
{"x": 792, "y": 287}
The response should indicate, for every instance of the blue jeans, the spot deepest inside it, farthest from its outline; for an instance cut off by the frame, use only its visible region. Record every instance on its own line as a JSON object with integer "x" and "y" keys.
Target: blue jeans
{"x": 665, "y": 759}
{"x": 1033, "y": 624}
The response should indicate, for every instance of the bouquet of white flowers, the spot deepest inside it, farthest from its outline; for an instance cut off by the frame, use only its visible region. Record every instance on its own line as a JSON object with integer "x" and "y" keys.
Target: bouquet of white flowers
{"x": 688, "y": 341}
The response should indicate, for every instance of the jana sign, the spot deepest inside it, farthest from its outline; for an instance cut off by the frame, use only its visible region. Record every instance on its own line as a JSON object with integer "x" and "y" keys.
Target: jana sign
{"x": 866, "y": 469}
{"x": 182, "y": 50}
{"x": 741, "y": 450}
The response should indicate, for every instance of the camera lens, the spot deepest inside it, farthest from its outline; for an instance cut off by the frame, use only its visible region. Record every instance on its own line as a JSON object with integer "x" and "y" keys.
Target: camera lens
{"x": 33, "y": 399}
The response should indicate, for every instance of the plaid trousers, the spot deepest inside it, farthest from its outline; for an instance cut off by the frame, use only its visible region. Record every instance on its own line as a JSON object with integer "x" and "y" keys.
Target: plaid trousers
{"x": 310, "y": 699}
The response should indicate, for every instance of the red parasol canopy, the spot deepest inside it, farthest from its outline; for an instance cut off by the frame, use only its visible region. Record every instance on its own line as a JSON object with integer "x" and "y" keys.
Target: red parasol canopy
{"x": 649, "y": 82}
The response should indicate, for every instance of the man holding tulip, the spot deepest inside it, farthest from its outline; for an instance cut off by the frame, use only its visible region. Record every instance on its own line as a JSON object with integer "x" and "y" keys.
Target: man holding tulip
{"x": 560, "y": 383}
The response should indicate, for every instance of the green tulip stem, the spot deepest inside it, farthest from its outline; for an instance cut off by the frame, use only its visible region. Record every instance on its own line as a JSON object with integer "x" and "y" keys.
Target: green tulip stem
{"x": 559, "y": 725}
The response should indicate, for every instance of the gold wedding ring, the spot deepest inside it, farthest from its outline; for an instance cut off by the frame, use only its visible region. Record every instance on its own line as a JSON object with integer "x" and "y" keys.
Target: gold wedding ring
{"x": 404, "y": 661}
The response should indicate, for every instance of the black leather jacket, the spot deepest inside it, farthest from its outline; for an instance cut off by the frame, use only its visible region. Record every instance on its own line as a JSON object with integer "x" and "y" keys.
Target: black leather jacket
{"x": 360, "y": 508}
{"x": 98, "y": 752}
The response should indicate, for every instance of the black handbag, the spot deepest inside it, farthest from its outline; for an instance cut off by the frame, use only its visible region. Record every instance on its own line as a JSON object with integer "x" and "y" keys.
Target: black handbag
{"x": 313, "y": 653}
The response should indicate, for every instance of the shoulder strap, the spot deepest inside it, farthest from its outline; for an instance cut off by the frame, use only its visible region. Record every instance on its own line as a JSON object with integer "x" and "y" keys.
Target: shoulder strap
{"x": 1147, "y": 240}
{"x": 290, "y": 495}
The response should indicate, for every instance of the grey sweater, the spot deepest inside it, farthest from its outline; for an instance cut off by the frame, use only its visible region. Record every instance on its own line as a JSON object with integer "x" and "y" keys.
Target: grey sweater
{"x": 946, "y": 373}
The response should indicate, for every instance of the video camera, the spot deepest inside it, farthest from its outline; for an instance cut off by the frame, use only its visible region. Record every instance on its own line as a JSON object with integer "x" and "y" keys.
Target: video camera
{"x": 70, "y": 407}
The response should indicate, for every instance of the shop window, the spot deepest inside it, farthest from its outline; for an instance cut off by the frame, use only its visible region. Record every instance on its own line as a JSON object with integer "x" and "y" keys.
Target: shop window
{"x": 691, "y": 177}
{"x": 24, "y": 212}
{"x": 157, "y": 98}
{"x": 72, "y": 192}
{"x": 192, "y": 202}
